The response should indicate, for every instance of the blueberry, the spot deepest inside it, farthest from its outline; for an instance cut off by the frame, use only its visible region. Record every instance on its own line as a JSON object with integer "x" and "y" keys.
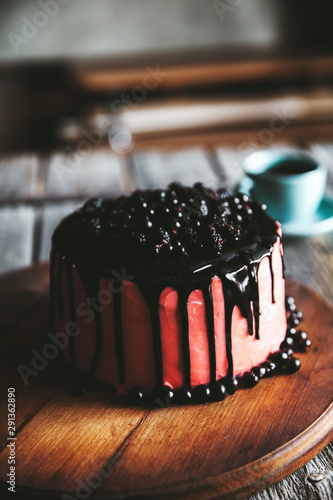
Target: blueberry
{"x": 289, "y": 351}
{"x": 279, "y": 358}
{"x": 91, "y": 205}
{"x": 231, "y": 385}
{"x": 183, "y": 251}
{"x": 299, "y": 314}
{"x": 260, "y": 371}
{"x": 175, "y": 186}
{"x": 291, "y": 331}
{"x": 204, "y": 209}
{"x": 293, "y": 319}
{"x": 137, "y": 396}
{"x": 270, "y": 368}
{"x": 250, "y": 379}
{"x": 218, "y": 391}
{"x": 165, "y": 250}
{"x": 287, "y": 343}
{"x": 293, "y": 365}
{"x": 300, "y": 336}
{"x": 142, "y": 238}
{"x": 163, "y": 396}
{"x": 94, "y": 226}
{"x": 304, "y": 345}
{"x": 201, "y": 394}
{"x": 183, "y": 396}
{"x": 289, "y": 300}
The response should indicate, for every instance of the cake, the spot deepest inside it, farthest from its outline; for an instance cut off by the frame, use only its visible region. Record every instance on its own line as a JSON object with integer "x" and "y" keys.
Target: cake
{"x": 174, "y": 294}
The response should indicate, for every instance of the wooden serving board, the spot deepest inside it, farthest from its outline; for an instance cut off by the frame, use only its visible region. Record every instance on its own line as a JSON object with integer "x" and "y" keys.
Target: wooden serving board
{"x": 97, "y": 447}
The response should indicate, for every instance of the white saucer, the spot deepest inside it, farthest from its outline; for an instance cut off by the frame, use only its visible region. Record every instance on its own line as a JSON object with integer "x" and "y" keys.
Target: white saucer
{"x": 320, "y": 223}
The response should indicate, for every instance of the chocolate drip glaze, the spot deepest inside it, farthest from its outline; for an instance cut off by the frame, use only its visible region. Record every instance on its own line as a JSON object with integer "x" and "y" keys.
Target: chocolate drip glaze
{"x": 183, "y": 297}
{"x": 119, "y": 336}
{"x": 272, "y": 273}
{"x": 91, "y": 286}
{"x": 283, "y": 267}
{"x": 151, "y": 293}
{"x": 229, "y": 304}
{"x": 52, "y": 288}
{"x": 208, "y": 298}
{"x": 254, "y": 294}
{"x": 72, "y": 311}
{"x": 233, "y": 253}
{"x": 59, "y": 286}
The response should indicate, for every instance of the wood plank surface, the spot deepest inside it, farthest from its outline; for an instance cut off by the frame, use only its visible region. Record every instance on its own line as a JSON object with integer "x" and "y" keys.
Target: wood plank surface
{"x": 87, "y": 171}
{"x": 323, "y": 152}
{"x": 311, "y": 261}
{"x": 51, "y": 216}
{"x": 223, "y": 450}
{"x": 154, "y": 169}
{"x": 16, "y": 237}
{"x": 19, "y": 176}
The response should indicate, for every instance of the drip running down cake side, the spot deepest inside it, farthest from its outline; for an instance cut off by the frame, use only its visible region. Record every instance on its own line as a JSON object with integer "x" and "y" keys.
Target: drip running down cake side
{"x": 174, "y": 294}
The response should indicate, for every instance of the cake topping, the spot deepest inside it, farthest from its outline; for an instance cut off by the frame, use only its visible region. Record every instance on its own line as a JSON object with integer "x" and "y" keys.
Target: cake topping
{"x": 162, "y": 225}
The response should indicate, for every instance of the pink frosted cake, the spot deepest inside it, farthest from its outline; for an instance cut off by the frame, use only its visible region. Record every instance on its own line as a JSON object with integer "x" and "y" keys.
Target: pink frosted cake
{"x": 175, "y": 294}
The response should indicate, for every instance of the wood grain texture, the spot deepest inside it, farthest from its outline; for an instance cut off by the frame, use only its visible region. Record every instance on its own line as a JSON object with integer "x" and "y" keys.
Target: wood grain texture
{"x": 16, "y": 237}
{"x": 153, "y": 169}
{"x": 311, "y": 261}
{"x": 98, "y": 76}
{"x": 223, "y": 450}
{"x": 19, "y": 176}
{"x": 229, "y": 136}
{"x": 51, "y": 216}
{"x": 323, "y": 152}
{"x": 87, "y": 170}
{"x": 313, "y": 481}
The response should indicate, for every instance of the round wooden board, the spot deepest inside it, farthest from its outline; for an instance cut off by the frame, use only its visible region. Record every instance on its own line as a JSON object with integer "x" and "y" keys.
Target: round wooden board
{"x": 96, "y": 446}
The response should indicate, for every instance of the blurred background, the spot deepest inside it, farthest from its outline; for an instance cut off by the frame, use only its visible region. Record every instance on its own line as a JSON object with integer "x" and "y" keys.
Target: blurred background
{"x": 66, "y": 63}
{"x": 101, "y": 98}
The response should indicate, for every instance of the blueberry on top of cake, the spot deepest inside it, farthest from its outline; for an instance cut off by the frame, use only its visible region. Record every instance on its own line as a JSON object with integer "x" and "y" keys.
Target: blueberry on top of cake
{"x": 156, "y": 227}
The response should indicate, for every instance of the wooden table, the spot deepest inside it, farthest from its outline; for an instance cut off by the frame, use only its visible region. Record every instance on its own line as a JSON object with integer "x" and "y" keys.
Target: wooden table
{"x": 36, "y": 192}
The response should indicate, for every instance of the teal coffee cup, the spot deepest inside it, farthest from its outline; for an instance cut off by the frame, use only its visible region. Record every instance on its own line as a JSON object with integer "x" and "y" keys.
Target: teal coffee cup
{"x": 291, "y": 184}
